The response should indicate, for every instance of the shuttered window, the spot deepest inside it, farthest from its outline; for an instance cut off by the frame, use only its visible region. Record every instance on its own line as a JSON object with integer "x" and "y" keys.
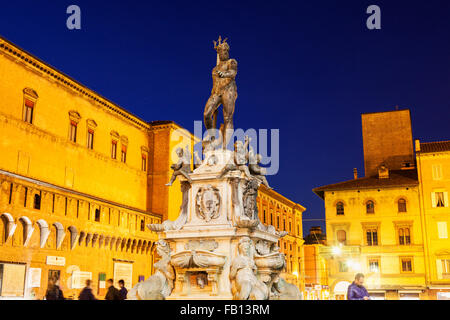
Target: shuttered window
{"x": 73, "y": 131}
{"x": 90, "y": 139}
{"x": 28, "y": 109}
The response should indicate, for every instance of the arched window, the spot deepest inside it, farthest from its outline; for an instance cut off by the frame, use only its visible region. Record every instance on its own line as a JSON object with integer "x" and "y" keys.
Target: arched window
{"x": 407, "y": 236}
{"x": 341, "y": 237}
{"x": 29, "y": 102}
{"x": 401, "y": 205}
{"x": 370, "y": 207}
{"x": 37, "y": 201}
{"x": 340, "y": 208}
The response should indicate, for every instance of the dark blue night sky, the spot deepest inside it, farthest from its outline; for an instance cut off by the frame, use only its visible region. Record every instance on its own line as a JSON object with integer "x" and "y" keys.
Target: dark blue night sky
{"x": 309, "y": 68}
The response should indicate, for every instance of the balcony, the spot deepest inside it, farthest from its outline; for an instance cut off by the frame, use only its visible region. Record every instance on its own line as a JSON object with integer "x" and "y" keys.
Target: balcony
{"x": 328, "y": 252}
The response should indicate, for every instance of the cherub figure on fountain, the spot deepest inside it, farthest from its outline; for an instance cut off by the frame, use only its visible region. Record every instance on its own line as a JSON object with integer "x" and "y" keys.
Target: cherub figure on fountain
{"x": 255, "y": 169}
{"x": 239, "y": 160}
{"x": 182, "y": 167}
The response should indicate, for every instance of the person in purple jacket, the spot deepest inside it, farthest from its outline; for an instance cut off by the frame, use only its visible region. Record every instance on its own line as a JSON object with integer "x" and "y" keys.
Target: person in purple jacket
{"x": 356, "y": 290}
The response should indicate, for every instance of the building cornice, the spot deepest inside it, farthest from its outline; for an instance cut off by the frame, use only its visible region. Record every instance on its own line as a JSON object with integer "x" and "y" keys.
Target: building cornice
{"x": 75, "y": 193}
{"x": 272, "y": 193}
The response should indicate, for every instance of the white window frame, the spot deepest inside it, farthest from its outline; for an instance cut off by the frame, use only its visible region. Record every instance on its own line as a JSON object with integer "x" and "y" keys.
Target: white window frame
{"x": 436, "y": 170}
{"x": 442, "y": 229}
{"x": 440, "y": 267}
{"x": 434, "y": 199}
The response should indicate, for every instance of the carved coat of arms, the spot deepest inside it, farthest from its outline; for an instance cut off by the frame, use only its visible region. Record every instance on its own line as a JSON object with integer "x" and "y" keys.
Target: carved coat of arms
{"x": 208, "y": 203}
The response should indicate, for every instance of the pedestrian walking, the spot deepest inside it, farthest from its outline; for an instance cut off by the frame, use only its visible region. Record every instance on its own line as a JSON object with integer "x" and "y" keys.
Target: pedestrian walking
{"x": 122, "y": 291}
{"x": 86, "y": 293}
{"x": 356, "y": 290}
{"x": 53, "y": 291}
{"x": 113, "y": 293}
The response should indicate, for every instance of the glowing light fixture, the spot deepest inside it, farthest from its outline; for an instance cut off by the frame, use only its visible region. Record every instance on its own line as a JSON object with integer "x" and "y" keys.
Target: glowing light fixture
{"x": 336, "y": 250}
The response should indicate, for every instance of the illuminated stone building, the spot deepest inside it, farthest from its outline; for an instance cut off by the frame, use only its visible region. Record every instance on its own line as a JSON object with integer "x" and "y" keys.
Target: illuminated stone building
{"x": 374, "y": 222}
{"x": 316, "y": 272}
{"x": 433, "y": 164}
{"x": 285, "y": 215}
{"x": 81, "y": 177}
{"x": 73, "y": 177}
{"x": 164, "y": 138}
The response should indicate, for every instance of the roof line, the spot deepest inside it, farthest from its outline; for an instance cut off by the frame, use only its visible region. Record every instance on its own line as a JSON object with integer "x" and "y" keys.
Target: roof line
{"x": 18, "y": 48}
{"x": 429, "y": 142}
{"x": 404, "y": 109}
{"x": 281, "y": 197}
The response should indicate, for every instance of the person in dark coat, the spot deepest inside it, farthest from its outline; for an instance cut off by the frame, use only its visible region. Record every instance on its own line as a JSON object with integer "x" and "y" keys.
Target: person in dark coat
{"x": 113, "y": 293}
{"x": 123, "y": 291}
{"x": 86, "y": 293}
{"x": 356, "y": 290}
{"x": 53, "y": 291}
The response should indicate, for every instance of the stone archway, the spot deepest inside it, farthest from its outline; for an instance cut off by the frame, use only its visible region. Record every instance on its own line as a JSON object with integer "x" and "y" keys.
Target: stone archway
{"x": 9, "y": 225}
{"x": 340, "y": 289}
{"x": 28, "y": 229}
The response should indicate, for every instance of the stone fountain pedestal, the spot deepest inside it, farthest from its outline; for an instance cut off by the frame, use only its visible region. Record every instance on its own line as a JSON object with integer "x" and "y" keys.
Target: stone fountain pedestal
{"x": 216, "y": 213}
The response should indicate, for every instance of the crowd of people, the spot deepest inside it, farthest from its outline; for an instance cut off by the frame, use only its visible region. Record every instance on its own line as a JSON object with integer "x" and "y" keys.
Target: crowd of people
{"x": 355, "y": 291}
{"x": 54, "y": 292}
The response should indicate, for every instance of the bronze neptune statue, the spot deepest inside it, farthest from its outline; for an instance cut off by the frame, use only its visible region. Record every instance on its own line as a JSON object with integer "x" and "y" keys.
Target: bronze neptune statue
{"x": 224, "y": 91}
